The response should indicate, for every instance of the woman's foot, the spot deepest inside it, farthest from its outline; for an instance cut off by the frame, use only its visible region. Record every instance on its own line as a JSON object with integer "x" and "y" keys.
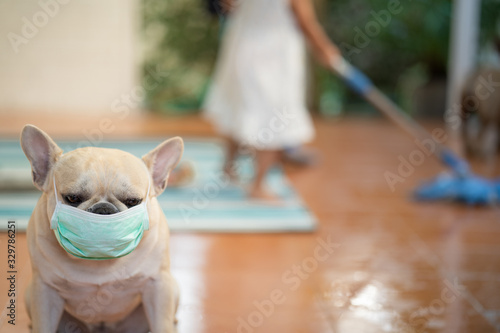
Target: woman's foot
{"x": 301, "y": 156}
{"x": 260, "y": 193}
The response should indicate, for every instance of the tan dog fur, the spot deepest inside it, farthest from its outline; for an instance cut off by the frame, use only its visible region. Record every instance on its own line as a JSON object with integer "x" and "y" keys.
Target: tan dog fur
{"x": 481, "y": 113}
{"x": 135, "y": 293}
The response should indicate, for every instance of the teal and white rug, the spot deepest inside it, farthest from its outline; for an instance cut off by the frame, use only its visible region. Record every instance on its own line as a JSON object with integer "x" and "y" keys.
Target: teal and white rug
{"x": 208, "y": 204}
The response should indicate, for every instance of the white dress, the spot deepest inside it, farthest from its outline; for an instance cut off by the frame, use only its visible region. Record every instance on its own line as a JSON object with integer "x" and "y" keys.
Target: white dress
{"x": 257, "y": 96}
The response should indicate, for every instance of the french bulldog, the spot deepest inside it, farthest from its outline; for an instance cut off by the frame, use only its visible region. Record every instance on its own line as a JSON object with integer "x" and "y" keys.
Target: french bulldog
{"x": 71, "y": 293}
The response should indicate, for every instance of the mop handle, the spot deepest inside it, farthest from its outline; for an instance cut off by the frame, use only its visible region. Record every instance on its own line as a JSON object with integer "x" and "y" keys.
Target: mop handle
{"x": 363, "y": 86}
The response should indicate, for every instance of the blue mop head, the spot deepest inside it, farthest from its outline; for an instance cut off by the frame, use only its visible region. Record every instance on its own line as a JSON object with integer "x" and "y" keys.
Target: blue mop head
{"x": 460, "y": 185}
{"x": 471, "y": 189}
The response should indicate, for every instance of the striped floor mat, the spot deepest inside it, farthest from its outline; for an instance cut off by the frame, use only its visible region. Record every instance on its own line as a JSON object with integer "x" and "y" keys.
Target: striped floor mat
{"x": 208, "y": 204}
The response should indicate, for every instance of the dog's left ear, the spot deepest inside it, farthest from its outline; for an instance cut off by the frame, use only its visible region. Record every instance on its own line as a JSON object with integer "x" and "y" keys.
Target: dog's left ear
{"x": 161, "y": 160}
{"x": 42, "y": 152}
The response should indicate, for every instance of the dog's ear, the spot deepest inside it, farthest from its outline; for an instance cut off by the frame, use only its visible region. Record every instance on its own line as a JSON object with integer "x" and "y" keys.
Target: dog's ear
{"x": 161, "y": 160}
{"x": 41, "y": 151}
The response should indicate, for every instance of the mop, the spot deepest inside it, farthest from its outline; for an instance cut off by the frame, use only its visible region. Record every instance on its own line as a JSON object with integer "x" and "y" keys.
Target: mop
{"x": 458, "y": 185}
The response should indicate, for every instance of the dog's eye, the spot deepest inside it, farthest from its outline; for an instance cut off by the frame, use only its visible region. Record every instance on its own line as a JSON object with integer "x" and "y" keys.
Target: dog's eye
{"x": 132, "y": 202}
{"x": 73, "y": 199}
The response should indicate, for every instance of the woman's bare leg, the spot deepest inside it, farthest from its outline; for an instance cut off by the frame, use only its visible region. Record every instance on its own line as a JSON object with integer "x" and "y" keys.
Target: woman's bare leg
{"x": 264, "y": 160}
{"x": 231, "y": 155}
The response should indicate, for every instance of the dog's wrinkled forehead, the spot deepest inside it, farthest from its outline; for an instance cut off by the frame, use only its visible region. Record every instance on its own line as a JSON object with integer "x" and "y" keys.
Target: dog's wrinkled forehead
{"x": 101, "y": 171}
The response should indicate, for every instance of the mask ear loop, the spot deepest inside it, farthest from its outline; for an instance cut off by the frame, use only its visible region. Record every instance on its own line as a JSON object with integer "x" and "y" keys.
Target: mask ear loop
{"x": 146, "y": 222}
{"x": 53, "y": 221}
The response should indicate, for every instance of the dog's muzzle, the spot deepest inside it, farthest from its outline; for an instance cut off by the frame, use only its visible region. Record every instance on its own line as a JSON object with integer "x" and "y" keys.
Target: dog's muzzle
{"x": 103, "y": 208}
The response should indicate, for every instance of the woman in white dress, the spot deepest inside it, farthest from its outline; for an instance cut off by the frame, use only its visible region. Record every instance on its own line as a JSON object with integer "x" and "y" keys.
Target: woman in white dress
{"x": 257, "y": 97}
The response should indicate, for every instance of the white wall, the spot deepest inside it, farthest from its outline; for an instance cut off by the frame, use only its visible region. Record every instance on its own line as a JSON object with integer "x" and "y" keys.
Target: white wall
{"x": 67, "y": 55}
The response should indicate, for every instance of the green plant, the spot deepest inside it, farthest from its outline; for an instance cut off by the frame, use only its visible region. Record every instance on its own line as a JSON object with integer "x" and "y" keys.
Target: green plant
{"x": 390, "y": 39}
{"x": 180, "y": 37}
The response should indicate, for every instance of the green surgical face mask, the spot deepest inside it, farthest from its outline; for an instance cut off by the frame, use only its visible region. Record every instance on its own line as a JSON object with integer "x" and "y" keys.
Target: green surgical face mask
{"x": 93, "y": 236}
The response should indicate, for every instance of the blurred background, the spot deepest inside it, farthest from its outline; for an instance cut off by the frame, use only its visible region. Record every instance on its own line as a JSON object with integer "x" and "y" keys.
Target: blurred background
{"x": 95, "y": 71}
{"x": 86, "y": 56}
{"x": 407, "y": 58}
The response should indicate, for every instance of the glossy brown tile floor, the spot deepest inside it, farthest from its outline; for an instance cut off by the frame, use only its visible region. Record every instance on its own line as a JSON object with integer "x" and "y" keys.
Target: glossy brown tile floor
{"x": 378, "y": 262}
